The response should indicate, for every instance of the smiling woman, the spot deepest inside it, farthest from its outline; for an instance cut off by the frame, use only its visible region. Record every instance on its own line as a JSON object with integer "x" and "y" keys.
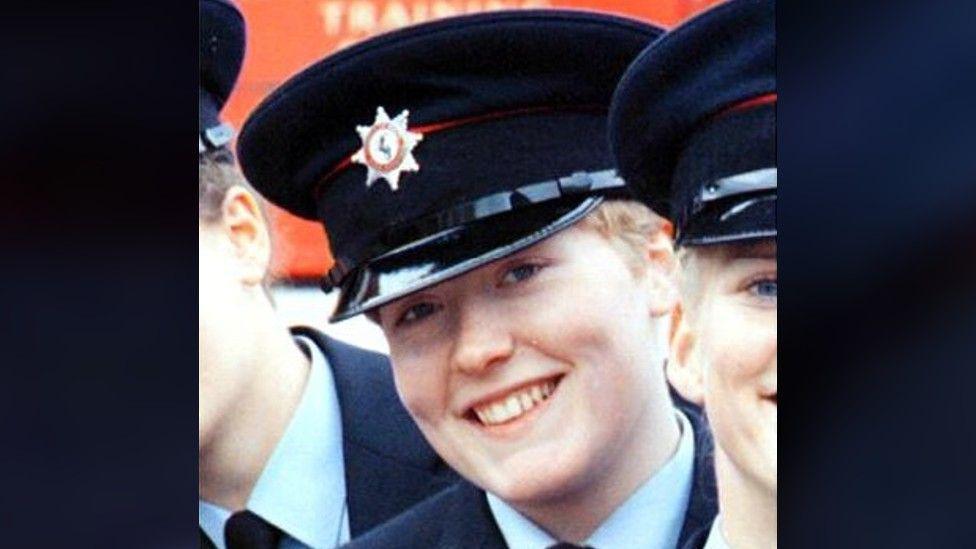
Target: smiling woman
{"x": 526, "y": 302}
{"x": 505, "y": 358}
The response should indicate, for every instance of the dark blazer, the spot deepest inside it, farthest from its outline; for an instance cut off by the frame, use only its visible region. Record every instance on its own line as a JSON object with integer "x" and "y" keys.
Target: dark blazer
{"x": 389, "y": 466}
{"x": 703, "y": 505}
{"x": 460, "y": 516}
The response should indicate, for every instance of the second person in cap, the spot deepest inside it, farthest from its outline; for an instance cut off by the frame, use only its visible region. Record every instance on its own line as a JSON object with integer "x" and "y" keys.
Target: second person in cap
{"x": 693, "y": 125}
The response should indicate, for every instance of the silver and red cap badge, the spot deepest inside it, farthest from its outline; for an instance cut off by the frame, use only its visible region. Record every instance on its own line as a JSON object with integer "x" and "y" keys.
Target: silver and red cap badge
{"x": 387, "y": 149}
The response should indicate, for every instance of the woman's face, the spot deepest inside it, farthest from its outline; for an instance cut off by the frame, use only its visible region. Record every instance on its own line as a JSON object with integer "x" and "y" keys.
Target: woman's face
{"x": 728, "y": 340}
{"x": 523, "y": 372}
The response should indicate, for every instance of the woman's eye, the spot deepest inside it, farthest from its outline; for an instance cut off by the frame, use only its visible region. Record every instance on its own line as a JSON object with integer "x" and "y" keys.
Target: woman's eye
{"x": 765, "y": 288}
{"x": 417, "y": 312}
{"x": 520, "y": 273}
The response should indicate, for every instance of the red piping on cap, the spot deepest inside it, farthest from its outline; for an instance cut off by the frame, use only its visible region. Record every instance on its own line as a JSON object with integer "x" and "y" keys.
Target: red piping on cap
{"x": 757, "y": 101}
{"x": 435, "y": 127}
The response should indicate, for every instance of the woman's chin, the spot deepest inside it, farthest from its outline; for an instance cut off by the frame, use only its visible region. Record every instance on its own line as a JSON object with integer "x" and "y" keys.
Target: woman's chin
{"x": 535, "y": 481}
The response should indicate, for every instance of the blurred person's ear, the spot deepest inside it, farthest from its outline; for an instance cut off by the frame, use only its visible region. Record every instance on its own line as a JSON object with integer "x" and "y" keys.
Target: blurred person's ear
{"x": 684, "y": 369}
{"x": 660, "y": 277}
{"x": 244, "y": 225}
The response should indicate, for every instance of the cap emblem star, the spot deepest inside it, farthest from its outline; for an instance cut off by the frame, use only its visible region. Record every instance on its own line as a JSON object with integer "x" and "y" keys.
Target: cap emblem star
{"x": 387, "y": 149}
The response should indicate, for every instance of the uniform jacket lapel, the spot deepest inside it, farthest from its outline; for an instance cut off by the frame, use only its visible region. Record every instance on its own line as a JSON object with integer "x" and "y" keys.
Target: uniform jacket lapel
{"x": 388, "y": 465}
{"x": 456, "y": 517}
{"x": 703, "y": 503}
{"x": 472, "y": 524}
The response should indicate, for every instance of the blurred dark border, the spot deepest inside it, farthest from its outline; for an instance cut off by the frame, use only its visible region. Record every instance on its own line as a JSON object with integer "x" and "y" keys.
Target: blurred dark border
{"x": 876, "y": 231}
{"x": 99, "y": 295}
{"x": 99, "y": 289}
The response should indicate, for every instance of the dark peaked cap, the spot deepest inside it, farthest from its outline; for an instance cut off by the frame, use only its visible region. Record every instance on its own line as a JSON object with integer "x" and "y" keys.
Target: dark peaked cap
{"x": 222, "y": 39}
{"x": 503, "y": 100}
{"x": 693, "y": 124}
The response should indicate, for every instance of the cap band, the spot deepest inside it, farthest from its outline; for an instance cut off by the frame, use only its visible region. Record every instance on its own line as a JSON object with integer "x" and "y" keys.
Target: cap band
{"x": 733, "y": 208}
{"x": 435, "y": 127}
{"x": 757, "y": 101}
{"x": 748, "y": 182}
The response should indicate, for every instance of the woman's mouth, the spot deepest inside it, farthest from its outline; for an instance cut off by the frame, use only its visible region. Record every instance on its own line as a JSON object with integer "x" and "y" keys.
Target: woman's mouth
{"x": 515, "y": 404}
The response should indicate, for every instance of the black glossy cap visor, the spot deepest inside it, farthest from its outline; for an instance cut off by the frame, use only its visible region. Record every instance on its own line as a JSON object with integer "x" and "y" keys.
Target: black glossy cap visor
{"x": 453, "y": 252}
{"x": 741, "y": 217}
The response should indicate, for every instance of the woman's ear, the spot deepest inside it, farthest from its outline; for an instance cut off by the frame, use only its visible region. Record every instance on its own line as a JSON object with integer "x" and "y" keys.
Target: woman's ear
{"x": 244, "y": 225}
{"x": 660, "y": 275}
{"x": 684, "y": 369}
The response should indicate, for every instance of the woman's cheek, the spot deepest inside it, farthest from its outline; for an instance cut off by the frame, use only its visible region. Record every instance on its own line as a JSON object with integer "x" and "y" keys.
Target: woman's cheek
{"x": 421, "y": 385}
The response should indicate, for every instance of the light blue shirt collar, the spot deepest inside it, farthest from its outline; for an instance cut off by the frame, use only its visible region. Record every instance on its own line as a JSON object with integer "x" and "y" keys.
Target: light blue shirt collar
{"x": 302, "y": 489}
{"x": 715, "y": 538}
{"x": 651, "y": 518}
{"x": 212, "y": 521}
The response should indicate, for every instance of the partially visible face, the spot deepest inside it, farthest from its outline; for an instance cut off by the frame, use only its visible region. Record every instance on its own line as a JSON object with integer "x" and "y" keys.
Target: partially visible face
{"x": 733, "y": 329}
{"x": 219, "y": 330}
{"x": 234, "y": 255}
{"x": 524, "y": 372}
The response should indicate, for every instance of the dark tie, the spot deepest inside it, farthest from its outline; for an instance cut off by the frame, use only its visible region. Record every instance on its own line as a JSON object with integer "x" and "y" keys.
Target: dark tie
{"x": 245, "y": 530}
{"x": 564, "y": 545}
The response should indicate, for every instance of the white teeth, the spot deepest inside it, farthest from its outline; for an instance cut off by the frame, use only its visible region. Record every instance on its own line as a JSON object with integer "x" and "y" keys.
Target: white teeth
{"x": 497, "y": 412}
{"x": 548, "y": 388}
{"x": 515, "y": 404}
